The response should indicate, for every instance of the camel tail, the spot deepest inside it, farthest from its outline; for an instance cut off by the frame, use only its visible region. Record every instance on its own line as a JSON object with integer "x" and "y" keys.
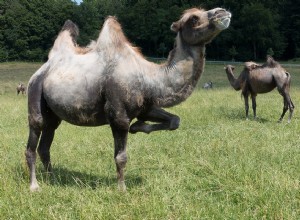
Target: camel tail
{"x": 288, "y": 82}
{"x": 288, "y": 85}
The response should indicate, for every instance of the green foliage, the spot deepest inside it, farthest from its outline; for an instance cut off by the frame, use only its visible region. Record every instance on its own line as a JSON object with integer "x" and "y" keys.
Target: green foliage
{"x": 28, "y": 28}
{"x": 260, "y": 29}
{"x": 216, "y": 165}
{"x": 270, "y": 52}
{"x": 233, "y": 52}
{"x": 291, "y": 23}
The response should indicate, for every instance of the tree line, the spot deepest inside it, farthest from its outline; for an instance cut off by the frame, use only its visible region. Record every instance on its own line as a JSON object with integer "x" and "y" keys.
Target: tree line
{"x": 28, "y": 28}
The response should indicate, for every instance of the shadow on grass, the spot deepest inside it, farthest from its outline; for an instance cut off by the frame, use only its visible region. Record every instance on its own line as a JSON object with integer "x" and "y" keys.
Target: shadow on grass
{"x": 237, "y": 115}
{"x": 66, "y": 177}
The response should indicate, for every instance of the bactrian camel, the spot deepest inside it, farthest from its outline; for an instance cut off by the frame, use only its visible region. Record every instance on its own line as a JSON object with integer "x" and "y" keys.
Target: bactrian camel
{"x": 21, "y": 88}
{"x": 255, "y": 79}
{"x": 112, "y": 83}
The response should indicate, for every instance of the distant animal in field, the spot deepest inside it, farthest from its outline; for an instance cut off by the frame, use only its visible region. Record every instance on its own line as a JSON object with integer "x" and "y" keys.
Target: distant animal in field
{"x": 21, "y": 88}
{"x": 112, "y": 83}
{"x": 208, "y": 85}
{"x": 256, "y": 79}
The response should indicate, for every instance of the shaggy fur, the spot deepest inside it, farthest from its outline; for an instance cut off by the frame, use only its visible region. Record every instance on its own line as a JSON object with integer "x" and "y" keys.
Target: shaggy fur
{"x": 112, "y": 83}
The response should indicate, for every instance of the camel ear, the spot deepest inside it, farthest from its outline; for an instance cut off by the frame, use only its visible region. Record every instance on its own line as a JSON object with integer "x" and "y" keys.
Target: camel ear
{"x": 175, "y": 26}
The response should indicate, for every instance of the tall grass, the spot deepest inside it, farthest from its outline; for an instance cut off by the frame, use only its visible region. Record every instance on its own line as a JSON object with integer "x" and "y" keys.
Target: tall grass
{"x": 216, "y": 165}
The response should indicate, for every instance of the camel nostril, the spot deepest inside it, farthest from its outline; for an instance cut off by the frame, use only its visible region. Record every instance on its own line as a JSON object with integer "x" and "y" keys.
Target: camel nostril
{"x": 220, "y": 11}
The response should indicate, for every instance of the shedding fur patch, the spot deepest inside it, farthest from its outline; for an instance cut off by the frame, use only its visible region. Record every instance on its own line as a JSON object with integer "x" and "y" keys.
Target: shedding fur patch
{"x": 113, "y": 37}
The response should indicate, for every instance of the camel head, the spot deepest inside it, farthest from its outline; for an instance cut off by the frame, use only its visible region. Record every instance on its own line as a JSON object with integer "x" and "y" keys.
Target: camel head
{"x": 229, "y": 68}
{"x": 199, "y": 27}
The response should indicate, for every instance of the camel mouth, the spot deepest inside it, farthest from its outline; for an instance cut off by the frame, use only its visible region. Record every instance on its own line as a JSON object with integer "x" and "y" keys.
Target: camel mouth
{"x": 223, "y": 22}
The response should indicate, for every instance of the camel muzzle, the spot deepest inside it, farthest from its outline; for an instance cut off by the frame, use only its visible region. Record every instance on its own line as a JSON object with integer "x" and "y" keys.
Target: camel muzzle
{"x": 222, "y": 19}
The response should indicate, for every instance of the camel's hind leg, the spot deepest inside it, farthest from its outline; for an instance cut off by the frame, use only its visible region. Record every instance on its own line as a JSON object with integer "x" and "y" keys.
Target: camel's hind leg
{"x": 30, "y": 153}
{"x": 36, "y": 111}
{"x": 36, "y": 124}
{"x": 291, "y": 107}
{"x": 287, "y": 104}
{"x": 284, "y": 90}
{"x": 46, "y": 126}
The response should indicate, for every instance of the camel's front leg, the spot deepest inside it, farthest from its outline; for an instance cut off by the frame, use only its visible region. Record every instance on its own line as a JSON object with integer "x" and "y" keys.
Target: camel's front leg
{"x": 120, "y": 141}
{"x": 253, "y": 97}
{"x": 246, "y": 106}
{"x": 119, "y": 124}
{"x": 166, "y": 121}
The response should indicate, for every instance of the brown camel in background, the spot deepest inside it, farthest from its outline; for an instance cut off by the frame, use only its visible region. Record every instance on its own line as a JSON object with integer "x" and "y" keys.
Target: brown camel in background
{"x": 21, "y": 88}
{"x": 255, "y": 79}
{"x": 112, "y": 83}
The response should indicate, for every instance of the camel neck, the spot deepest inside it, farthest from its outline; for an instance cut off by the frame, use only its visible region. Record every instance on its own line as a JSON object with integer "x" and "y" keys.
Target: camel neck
{"x": 234, "y": 82}
{"x": 182, "y": 71}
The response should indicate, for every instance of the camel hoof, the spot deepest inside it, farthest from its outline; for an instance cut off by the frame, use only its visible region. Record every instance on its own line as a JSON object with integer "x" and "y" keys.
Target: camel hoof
{"x": 34, "y": 187}
{"x": 122, "y": 186}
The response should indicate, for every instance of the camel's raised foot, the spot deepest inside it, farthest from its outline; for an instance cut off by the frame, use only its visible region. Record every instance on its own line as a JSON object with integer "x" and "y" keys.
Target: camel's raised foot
{"x": 121, "y": 186}
{"x": 139, "y": 126}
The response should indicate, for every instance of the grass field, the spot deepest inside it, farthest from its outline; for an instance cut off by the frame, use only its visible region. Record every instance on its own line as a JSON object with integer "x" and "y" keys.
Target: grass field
{"x": 216, "y": 165}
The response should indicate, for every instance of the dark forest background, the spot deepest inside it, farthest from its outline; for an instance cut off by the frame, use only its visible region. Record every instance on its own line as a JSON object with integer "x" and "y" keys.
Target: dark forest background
{"x": 259, "y": 27}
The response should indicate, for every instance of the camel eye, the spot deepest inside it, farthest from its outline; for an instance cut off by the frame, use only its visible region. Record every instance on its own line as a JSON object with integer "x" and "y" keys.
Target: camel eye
{"x": 194, "y": 20}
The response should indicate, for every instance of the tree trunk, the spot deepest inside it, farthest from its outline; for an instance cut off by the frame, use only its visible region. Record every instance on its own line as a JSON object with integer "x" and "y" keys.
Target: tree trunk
{"x": 254, "y": 50}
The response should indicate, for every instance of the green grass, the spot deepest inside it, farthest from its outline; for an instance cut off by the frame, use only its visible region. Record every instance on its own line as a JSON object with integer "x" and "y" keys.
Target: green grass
{"x": 216, "y": 165}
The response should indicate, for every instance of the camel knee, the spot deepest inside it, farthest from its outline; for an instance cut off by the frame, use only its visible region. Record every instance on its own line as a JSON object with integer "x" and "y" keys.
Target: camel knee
{"x": 121, "y": 159}
{"x": 121, "y": 123}
{"x": 119, "y": 120}
{"x": 36, "y": 121}
{"x": 174, "y": 122}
